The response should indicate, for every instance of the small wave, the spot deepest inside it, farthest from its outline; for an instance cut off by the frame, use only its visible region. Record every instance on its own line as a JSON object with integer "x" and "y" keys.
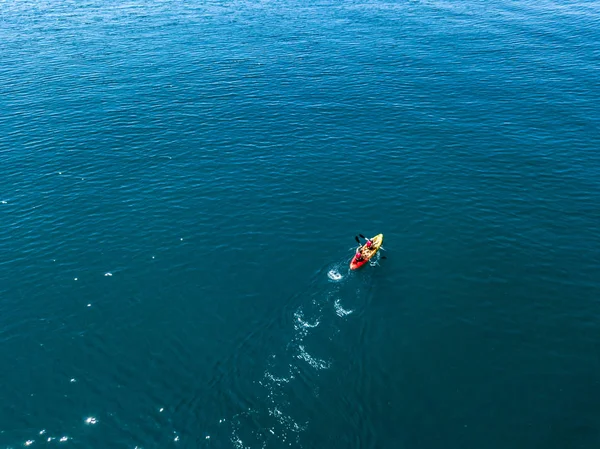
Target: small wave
{"x": 339, "y": 310}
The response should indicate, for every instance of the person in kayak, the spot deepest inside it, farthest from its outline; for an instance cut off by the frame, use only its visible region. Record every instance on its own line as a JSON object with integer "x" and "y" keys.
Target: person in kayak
{"x": 368, "y": 245}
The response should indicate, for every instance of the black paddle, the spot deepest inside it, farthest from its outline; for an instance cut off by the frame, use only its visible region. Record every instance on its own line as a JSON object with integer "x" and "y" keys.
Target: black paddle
{"x": 356, "y": 238}
{"x": 363, "y": 237}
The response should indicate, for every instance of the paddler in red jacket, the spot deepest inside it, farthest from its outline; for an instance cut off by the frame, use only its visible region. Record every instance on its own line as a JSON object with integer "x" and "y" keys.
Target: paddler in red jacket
{"x": 358, "y": 256}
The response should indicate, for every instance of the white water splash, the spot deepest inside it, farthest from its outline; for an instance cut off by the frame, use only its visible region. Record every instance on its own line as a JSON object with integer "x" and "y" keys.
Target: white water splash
{"x": 278, "y": 380}
{"x": 334, "y": 275}
{"x": 339, "y": 310}
{"x": 286, "y": 421}
{"x": 312, "y": 361}
{"x": 300, "y": 324}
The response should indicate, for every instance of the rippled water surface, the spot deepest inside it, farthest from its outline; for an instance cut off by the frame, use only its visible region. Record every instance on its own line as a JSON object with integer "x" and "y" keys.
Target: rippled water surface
{"x": 181, "y": 184}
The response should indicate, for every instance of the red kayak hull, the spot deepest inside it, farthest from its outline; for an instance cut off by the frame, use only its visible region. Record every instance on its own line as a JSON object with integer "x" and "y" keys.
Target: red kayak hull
{"x": 367, "y": 253}
{"x": 354, "y": 265}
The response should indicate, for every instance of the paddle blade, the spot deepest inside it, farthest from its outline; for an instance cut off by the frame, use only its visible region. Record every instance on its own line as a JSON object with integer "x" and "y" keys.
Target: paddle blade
{"x": 363, "y": 236}
{"x": 356, "y": 238}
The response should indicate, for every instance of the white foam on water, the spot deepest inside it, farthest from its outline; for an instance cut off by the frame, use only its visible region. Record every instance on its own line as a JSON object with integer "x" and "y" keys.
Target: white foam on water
{"x": 301, "y": 325}
{"x": 286, "y": 421}
{"x": 237, "y": 442}
{"x": 276, "y": 399}
{"x": 235, "y": 439}
{"x": 375, "y": 260}
{"x": 334, "y": 275}
{"x": 278, "y": 380}
{"x": 339, "y": 310}
{"x": 312, "y": 361}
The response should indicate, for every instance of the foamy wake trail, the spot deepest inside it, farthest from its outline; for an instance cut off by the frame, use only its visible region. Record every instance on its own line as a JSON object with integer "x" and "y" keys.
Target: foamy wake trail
{"x": 256, "y": 428}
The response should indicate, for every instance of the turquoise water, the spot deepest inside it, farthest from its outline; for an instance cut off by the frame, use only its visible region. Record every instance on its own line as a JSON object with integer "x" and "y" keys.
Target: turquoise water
{"x": 181, "y": 184}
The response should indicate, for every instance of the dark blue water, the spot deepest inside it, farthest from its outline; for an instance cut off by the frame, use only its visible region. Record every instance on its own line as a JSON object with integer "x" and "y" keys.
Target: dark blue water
{"x": 181, "y": 184}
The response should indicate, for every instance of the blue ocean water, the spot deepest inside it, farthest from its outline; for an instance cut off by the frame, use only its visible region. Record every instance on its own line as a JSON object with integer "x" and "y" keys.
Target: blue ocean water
{"x": 181, "y": 184}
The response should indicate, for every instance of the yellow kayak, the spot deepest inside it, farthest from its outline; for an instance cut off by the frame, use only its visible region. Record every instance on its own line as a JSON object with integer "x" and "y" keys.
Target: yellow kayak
{"x": 367, "y": 253}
